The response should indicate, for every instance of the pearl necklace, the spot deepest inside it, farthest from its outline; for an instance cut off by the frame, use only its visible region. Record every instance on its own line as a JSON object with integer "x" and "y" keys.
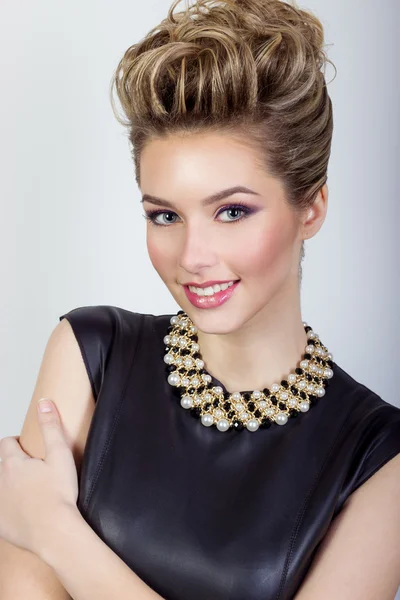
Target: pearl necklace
{"x": 238, "y": 410}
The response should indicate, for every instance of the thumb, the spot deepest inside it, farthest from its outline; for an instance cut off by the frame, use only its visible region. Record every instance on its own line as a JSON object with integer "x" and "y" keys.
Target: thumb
{"x": 50, "y": 424}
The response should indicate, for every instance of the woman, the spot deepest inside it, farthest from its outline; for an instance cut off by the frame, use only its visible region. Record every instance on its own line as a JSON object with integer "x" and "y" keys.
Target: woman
{"x": 225, "y": 455}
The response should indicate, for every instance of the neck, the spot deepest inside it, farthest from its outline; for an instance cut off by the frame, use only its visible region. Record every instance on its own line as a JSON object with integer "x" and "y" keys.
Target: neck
{"x": 262, "y": 352}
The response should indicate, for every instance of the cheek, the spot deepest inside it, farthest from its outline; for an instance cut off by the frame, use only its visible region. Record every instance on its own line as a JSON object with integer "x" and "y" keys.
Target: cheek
{"x": 160, "y": 253}
{"x": 269, "y": 251}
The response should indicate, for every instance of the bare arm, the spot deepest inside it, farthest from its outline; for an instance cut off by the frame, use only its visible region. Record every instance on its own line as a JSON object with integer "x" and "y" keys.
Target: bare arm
{"x": 88, "y": 568}
{"x": 76, "y": 563}
{"x": 24, "y": 575}
{"x": 359, "y": 558}
{"x": 62, "y": 375}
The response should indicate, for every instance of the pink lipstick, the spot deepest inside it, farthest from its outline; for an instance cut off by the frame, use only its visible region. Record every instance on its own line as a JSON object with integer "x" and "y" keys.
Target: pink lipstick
{"x": 210, "y": 301}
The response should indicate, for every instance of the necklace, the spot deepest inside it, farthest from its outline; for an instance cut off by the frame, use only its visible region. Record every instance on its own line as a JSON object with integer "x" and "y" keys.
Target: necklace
{"x": 251, "y": 409}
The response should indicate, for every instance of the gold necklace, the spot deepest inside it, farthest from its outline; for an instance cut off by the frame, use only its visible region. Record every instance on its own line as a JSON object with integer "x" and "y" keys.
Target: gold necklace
{"x": 251, "y": 409}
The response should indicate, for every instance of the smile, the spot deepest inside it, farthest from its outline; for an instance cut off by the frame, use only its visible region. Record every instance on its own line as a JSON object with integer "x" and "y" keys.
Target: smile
{"x": 212, "y": 296}
{"x": 210, "y": 291}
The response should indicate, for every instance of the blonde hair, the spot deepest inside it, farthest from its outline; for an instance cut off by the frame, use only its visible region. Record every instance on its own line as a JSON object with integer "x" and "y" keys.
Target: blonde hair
{"x": 251, "y": 69}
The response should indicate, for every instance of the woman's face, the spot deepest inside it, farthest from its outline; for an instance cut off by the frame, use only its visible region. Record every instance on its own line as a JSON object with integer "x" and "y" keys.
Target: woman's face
{"x": 190, "y": 241}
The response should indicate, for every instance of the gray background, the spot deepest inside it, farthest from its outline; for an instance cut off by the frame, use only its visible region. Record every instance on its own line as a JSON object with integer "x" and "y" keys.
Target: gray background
{"x": 71, "y": 231}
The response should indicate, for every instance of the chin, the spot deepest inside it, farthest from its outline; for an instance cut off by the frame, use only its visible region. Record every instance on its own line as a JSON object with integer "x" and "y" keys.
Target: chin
{"x": 218, "y": 321}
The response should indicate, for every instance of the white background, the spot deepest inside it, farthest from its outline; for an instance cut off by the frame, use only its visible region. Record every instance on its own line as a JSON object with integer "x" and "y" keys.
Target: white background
{"x": 71, "y": 230}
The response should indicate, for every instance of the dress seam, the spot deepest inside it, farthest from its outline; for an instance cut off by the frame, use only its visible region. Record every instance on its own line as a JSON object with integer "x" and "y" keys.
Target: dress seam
{"x": 110, "y": 435}
{"x": 303, "y": 509}
{"x": 84, "y": 356}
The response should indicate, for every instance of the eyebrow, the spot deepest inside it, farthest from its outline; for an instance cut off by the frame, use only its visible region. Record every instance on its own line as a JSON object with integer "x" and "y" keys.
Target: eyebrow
{"x": 206, "y": 201}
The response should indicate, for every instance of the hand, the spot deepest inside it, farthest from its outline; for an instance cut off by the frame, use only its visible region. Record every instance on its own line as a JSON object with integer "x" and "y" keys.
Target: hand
{"x": 35, "y": 493}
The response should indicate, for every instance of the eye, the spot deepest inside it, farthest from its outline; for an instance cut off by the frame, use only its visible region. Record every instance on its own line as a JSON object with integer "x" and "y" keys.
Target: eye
{"x": 151, "y": 216}
{"x": 235, "y": 208}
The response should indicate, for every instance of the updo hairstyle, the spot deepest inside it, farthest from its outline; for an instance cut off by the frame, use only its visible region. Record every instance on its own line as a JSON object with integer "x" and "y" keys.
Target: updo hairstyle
{"x": 251, "y": 69}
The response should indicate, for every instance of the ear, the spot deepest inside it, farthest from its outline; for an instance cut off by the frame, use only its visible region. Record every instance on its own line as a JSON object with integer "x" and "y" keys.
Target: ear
{"x": 314, "y": 216}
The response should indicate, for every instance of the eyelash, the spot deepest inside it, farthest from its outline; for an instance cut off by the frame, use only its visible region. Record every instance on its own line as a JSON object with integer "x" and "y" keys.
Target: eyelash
{"x": 151, "y": 215}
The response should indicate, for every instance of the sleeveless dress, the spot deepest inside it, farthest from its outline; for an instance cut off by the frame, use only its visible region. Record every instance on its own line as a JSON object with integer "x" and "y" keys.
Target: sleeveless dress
{"x": 200, "y": 514}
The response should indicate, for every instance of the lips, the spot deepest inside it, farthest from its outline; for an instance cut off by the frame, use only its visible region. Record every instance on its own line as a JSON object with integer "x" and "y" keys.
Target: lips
{"x": 217, "y": 299}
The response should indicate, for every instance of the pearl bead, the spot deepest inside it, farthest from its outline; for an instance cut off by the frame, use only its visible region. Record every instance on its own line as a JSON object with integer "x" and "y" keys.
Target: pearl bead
{"x": 320, "y": 392}
{"x": 218, "y": 390}
{"x": 167, "y": 340}
{"x": 186, "y": 402}
{"x": 252, "y": 425}
{"x": 169, "y": 359}
{"x": 275, "y": 387}
{"x": 207, "y": 419}
{"x": 222, "y": 425}
{"x": 174, "y": 379}
{"x": 281, "y": 418}
{"x": 304, "y": 406}
{"x": 174, "y": 320}
{"x": 195, "y": 348}
{"x": 236, "y": 396}
{"x": 256, "y": 394}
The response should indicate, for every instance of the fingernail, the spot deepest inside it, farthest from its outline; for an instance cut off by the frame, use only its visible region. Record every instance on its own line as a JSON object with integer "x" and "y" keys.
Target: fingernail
{"x": 44, "y": 406}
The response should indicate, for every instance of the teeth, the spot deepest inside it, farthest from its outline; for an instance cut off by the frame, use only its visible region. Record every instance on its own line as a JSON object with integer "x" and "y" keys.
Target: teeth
{"x": 209, "y": 291}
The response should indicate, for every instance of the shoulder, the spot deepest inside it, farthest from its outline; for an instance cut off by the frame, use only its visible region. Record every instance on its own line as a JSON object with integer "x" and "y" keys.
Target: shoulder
{"x": 370, "y": 434}
{"x": 104, "y": 319}
{"x": 105, "y": 316}
{"x": 107, "y": 321}
{"x": 359, "y": 555}
{"x": 361, "y": 403}
{"x": 106, "y": 331}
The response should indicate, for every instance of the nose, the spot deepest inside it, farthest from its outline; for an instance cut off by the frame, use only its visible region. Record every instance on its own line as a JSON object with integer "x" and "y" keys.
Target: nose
{"x": 198, "y": 251}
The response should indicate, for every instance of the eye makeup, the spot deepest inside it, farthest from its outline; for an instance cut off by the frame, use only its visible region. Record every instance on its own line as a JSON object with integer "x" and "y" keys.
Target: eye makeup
{"x": 151, "y": 215}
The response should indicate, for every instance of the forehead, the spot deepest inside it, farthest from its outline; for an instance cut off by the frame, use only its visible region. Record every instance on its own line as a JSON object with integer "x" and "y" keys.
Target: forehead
{"x": 207, "y": 162}
{"x": 200, "y": 149}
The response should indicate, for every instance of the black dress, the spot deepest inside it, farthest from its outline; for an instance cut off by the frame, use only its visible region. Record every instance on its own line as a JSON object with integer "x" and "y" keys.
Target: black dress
{"x": 200, "y": 514}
